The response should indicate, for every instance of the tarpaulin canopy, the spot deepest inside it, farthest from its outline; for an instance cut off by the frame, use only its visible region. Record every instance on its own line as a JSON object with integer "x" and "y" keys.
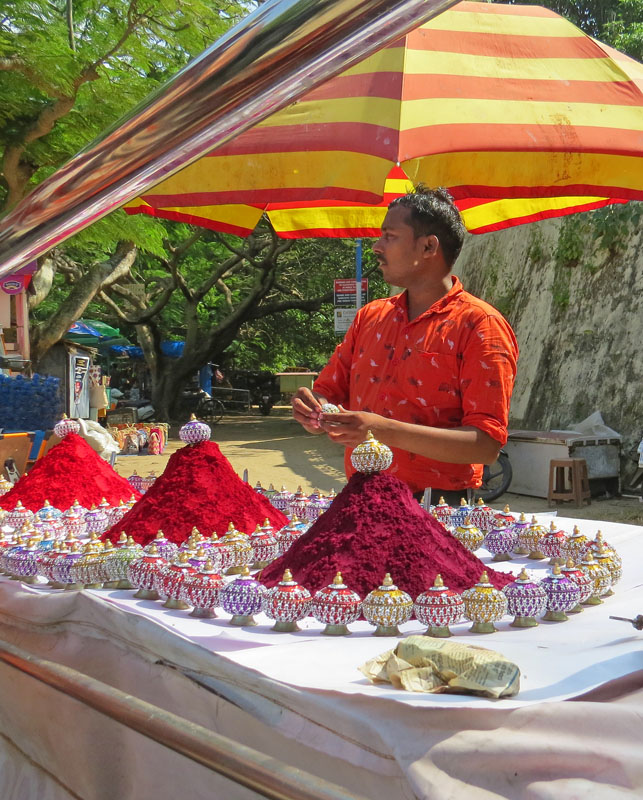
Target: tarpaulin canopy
{"x": 496, "y": 102}
{"x": 168, "y": 348}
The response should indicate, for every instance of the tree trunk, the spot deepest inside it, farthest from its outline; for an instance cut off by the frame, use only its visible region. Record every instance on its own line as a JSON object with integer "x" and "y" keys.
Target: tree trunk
{"x": 83, "y": 292}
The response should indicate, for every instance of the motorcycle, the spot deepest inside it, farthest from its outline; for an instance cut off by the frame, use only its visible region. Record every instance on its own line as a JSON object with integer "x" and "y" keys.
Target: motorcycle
{"x": 496, "y": 478}
{"x": 265, "y": 404}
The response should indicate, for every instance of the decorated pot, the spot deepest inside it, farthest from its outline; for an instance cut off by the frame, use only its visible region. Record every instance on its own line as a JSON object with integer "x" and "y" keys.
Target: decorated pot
{"x": 460, "y": 513}
{"x": 147, "y": 482}
{"x": 96, "y": 520}
{"x": 46, "y": 565}
{"x": 530, "y": 538}
{"x": 286, "y": 603}
{"x": 387, "y": 607}
{"x": 553, "y": 544}
{"x": 442, "y": 512}
{"x": 315, "y": 507}
{"x": 117, "y": 513}
{"x": 119, "y": 561}
{"x": 526, "y": 600}
{"x": 194, "y": 432}
{"x": 243, "y": 598}
{"x": 25, "y": 562}
{"x": 269, "y": 493}
{"x": 164, "y": 547}
{"x": 562, "y": 595}
{"x": 135, "y": 481}
{"x": 520, "y": 525}
{"x": 169, "y": 580}
{"x": 265, "y": 547}
{"x": 5, "y": 485}
{"x": 65, "y": 426}
{"x": 610, "y": 559}
{"x": 484, "y": 605}
{"x": 18, "y": 516}
{"x": 288, "y": 535}
{"x": 62, "y": 567}
{"x": 582, "y": 580}
{"x": 143, "y": 572}
{"x": 597, "y": 541}
{"x": 298, "y": 504}
{"x": 198, "y": 559}
{"x": 468, "y": 535}
{"x": 500, "y": 541}
{"x": 81, "y": 571}
{"x": 74, "y": 520}
{"x": 48, "y": 512}
{"x": 97, "y": 569}
{"x": 600, "y": 577}
{"x": 281, "y": 500}
{"x": 371, "y": 456}
{"x": 576, "y": 545}
{"x": 482, "y": 516}
{"x": 202, "y": 591}
{"x": 235, "y": 550}
{"x": 10, "y": 555}
{"x": 438, "y": 608}
{"x": 505, "y": 516}
{"x": 336, "y": 606}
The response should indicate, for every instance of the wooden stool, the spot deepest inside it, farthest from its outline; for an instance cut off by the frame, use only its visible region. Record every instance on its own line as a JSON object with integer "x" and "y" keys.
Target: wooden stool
{"x": 568, "y": 481}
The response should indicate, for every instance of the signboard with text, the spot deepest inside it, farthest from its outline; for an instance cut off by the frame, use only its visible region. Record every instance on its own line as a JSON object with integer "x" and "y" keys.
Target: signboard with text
{"x": 345, "y": 292}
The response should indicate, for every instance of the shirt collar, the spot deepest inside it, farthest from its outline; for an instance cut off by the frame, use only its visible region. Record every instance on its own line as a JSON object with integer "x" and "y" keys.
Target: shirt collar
{"x": 401, "y": 300}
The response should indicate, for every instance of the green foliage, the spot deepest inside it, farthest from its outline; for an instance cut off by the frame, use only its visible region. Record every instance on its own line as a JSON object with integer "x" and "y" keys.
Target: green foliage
{"x": 625, "y": 30}
{"x": 613, "y": 225}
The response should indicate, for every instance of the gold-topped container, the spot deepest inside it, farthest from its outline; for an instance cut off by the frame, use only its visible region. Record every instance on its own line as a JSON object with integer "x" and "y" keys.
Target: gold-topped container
{"x": 526, "y": 600}
{"x": 601, "y": 579}
{"x": 563, "y": 595}
{"x": 371, "y": 455}
{"x": 576, "y": 546}
{"x": 468, "y": 535}
{"x": 484, "y": 605}
{"x": 438, "y": 608}
{"x": 530, "y": 538}
{"x": 387, "y": 607}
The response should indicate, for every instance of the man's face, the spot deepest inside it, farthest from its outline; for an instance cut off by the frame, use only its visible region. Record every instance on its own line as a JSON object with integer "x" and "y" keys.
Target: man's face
{"x": 399, "y": 252}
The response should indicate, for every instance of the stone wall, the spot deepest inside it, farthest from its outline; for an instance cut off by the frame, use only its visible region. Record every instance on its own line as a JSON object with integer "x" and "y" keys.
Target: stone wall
{"x": 572, "y": 291}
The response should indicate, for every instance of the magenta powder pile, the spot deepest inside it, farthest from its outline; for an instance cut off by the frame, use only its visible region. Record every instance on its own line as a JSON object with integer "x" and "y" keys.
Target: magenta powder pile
{"x": 71, "y": 470}
{"x": 376, "y": 526}
{"x": 198, "y": 489}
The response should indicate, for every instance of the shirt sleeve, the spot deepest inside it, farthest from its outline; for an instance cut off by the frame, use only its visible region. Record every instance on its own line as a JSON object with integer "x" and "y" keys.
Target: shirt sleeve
{"x": 333, "y": 382}
{"x": 487, "y": 376}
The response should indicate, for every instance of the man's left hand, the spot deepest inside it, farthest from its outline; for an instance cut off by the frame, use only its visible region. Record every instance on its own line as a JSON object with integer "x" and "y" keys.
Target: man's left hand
{"x": 350, "y": 428}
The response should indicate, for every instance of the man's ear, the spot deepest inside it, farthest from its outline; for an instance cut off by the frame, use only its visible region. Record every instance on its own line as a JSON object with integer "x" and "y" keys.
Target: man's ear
{"x": 432, "y": 245}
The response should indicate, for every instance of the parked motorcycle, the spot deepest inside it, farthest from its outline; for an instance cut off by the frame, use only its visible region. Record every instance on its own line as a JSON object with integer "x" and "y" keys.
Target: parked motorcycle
{"x": 496, "y": 478}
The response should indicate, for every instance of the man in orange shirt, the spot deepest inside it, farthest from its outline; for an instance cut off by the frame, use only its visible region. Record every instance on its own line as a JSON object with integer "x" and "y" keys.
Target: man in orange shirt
{"x": 430, "y": 371}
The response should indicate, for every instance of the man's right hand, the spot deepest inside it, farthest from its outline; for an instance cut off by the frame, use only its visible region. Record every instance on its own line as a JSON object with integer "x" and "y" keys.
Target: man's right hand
{"x": 306, "y": 409}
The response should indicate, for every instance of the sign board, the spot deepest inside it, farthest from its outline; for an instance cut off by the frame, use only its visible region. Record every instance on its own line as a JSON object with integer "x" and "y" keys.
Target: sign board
{"x": 345, "y": 292}
{"x": 344, "y": 318}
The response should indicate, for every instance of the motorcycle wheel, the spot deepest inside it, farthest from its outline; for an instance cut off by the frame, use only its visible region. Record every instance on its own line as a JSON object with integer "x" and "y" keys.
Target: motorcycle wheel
{"x": 496, "y": 478}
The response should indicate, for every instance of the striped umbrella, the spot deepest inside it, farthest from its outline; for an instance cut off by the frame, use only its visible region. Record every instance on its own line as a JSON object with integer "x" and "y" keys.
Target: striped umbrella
{"x": 520, "y": 114}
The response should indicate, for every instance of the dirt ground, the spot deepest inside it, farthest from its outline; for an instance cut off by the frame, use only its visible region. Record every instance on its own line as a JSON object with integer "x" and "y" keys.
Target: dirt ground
{"x": 275, "y": 449}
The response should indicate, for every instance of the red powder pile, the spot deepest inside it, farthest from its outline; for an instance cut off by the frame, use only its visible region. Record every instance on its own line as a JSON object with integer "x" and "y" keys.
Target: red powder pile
{"x": 70, "y": 471}
{"x": 199, "y": 488}
{"x": 375, "y": 526}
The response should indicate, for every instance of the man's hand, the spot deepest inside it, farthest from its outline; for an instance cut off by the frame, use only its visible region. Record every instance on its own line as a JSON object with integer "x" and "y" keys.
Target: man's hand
{"x": 306, "y": 409}
{"x": 350, "y": 428}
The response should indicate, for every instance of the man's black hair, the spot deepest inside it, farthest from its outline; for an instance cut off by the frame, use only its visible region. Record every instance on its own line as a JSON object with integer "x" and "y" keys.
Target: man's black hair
{"x": 433, "y": 213}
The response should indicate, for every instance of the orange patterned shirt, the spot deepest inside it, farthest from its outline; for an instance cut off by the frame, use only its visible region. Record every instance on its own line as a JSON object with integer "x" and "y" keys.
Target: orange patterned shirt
{"x": 452, "y": 366}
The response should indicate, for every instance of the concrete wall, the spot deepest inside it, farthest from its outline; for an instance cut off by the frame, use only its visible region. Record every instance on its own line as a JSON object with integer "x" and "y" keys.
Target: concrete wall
{"x": 574, "y": 299}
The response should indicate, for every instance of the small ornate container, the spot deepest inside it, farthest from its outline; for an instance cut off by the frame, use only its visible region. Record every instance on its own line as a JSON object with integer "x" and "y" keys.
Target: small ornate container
{"x": 482, "y": 516}
{"x": 235, "y": 550}
{"x": 264, "y": 546}
{"x": 553, "y": 544}
{"x": 500, "y": 541}
{"x": 520, "y": 525}
{"x": 194, "y": 432}
{"x": 147, "y": 482}
{"x": 143, "y": 572}
{"x": 5, "y": 485}
{"x": 597, "y": 541}
{"x": 329, "y": 408}
{"x": 169, "y": 580}
{"x": 576, "y": 546}
{"x": 442, "y": 512}
{"x": 243, "y": 598}
{"x": 438, "y": 608}
{"x": 46, "y": 564}
{"x": 336, "y": 606}
{"x": 26, "y": 561}
{"x": 387, "y": 607}
{"x": 270, "y": 492}
{"x": 468, "y": 535}
{"x": 135, "y": 481}
{"x": 371, "y": 456}
{"x": 298, "y": 504}
{"x": 600, "y": 577}
{"x": 288, "y": 535}
{"x": 97, "y": 568}
{"x": 484, "y": 605}
{"x": 526, "y": 600}
{"x": 315, "y": 507}
{"x": 461, "y": 513}
{"x": 286, "y": 603}
{"x": 48, "y": 512}
{"x": 164, "y": 547}
{"x": 96, "y": 520}
{"x": 281, "y": 500}
{"x": 74, "y": 520}
{"x": 81, "y": 571}
{"x": 17, "y": 518}
{"x": 10, "y": 556}
{"x": 562, "y": 595}
{"x": 117, "y": 513}
{"x": 582, "y": 580}
{"x": 202, "y": 591}
{"x": 505, "y": 516}
{"x": 531, "y": 538}
{"x": 65, "y": 426}
{"x": 118, "y": 563}
{"x": 62, "y": 567}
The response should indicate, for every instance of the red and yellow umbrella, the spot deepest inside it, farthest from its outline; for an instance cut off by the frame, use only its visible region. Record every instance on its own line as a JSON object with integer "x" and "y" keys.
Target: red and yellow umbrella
{"x": 518, "y": 112}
